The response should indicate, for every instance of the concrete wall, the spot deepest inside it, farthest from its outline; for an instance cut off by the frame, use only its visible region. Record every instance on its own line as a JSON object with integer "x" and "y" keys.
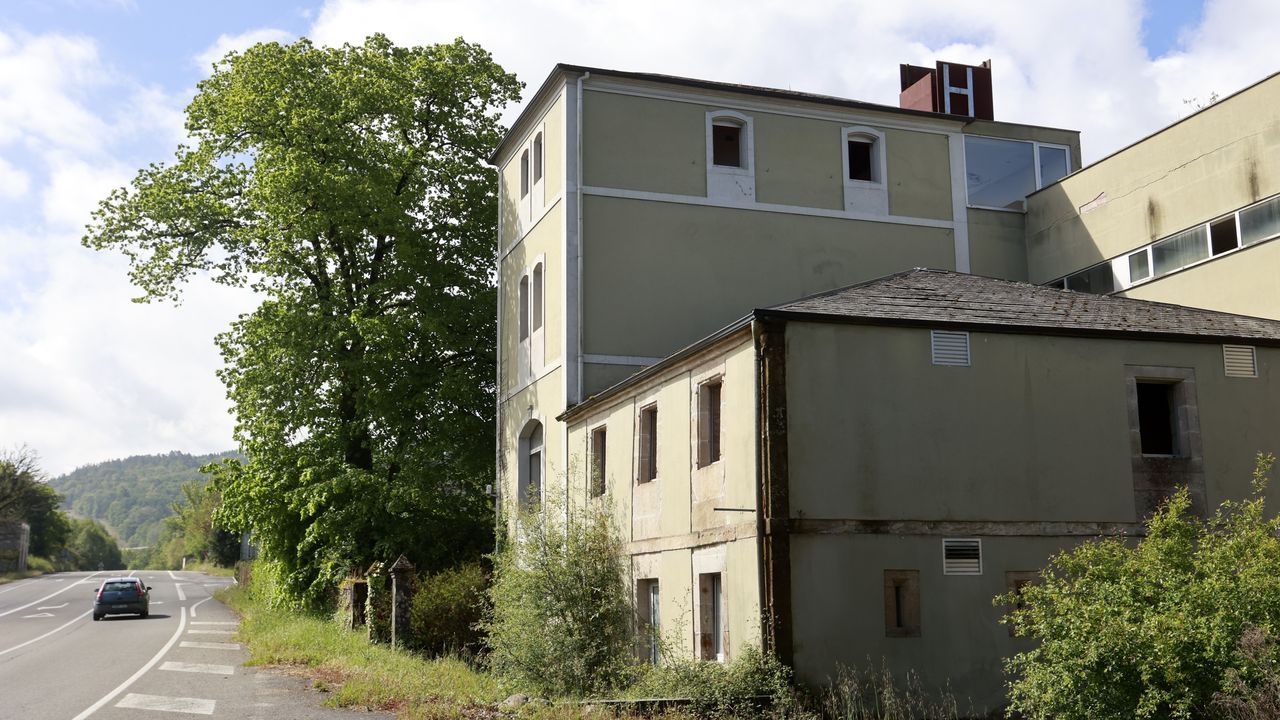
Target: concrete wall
{"x": 1028, "y": 449}
{"x": 1210, "y": 163}
{"x": 1246, "y": 282}
{"x": 670, "y": 524}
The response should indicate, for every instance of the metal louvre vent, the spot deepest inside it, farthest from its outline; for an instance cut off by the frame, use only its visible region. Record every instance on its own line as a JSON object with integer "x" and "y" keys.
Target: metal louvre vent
{"x": 1239, "y": 361}
{"x": 950, "y": 348}
{"x": 962, "y": 557}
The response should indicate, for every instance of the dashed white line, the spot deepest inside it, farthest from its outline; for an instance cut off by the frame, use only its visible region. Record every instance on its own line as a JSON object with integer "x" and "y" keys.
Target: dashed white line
{"x": 214, "y": 622}
{"x": 37, "y": 639}
{"x": 181, "y": 595}
{"x": 210, "y": 632}
{"x": 209, "y": 645}
{"x": 195, "y": 706}
{"x": 53, "y": 607}
{"x": 46, "y": 597}
{"x": 209, "y": 668}
{"x": 182, "y": 625}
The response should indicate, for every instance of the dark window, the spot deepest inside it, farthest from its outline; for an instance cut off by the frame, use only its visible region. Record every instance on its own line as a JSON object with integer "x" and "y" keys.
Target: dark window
{"x": 648, "y": 600}
{"x": 537, "y": 157}
{"x": 902, "y": 603}
{"x": 1222, "y": 236}
{"x": 726, "y": 145}
{"x": 860, "y": 160}
{"x": 648, "y": 444}
{"x": 524, "y": 173}
{"x": 1155, "y": 417}
{"x": 710, "y": 617}
{"x": 709, "y": 423}
{"x": 598, "y": 438}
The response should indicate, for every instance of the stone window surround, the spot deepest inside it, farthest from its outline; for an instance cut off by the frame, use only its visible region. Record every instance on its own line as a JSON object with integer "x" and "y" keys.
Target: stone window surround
{"x": 1156, "y": 477}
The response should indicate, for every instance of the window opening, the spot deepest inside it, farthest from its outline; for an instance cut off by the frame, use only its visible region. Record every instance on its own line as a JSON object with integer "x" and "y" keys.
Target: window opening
{"x": 1222, "y": 235}
{"x": 709, "y": 413}
{"x": 648, "y": 598}
{"x": 537, "y": 157}
{"x": 1178, "y": 251}
{"x": 535, "y": 303}
{"x": 1260, "y": 222}
{"x": 1155, "y": 417}
{"x": 902, "y": 603}
{"x": 1001, "y": 173}
{"x": 524, "y": 308}
{"x": 711, "y": 617}
{"x": 861, "y": 159}
{"x": 1099, "y": 279}
{"x": 1054, "y": 164}
{"x": 648, "y": 444}
{"x": 726, "y": 144}
{"x": 529, "y": 482}
{"x": 524, "y": 174}
{"x": 1139, "y": 266}
{"x": 598, "y": 464}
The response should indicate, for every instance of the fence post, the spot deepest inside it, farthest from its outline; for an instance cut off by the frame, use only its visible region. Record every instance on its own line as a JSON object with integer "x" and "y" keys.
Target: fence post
{"x": 401, "y": 598}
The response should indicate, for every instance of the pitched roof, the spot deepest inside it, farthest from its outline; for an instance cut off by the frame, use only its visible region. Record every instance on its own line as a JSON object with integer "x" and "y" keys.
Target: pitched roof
{"x": 942, "y": 297}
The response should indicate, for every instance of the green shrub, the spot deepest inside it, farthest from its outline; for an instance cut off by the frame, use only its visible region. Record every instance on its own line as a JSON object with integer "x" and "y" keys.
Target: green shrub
{"x": 874, "y": 694}
{"x": 1152, "y": 630}
{"x": 446, "y": 610}
{"x": 35, "y": 563}
{"x": 751, "y": 685}
{"x": 559, "y": 620}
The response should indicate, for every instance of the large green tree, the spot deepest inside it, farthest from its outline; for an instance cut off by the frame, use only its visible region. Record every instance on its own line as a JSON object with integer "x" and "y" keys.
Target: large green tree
{"x": 348, "y": 187}
{"x": 25, "y": 496}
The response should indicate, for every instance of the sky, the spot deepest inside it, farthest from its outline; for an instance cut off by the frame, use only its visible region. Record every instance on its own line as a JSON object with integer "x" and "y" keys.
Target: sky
{"x": 93, "y": 90}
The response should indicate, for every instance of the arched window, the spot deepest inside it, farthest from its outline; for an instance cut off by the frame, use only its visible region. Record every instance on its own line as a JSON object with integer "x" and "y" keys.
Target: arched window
{"x": 730, "y": 158}
{"x": 535, "y": 301}
{"x": 523, "y": 310}
{"x": 524, "y": 174}
{"x": 529, "y": 479}
{"x": 863, "y": 155}
{"x": 537, "y": 157}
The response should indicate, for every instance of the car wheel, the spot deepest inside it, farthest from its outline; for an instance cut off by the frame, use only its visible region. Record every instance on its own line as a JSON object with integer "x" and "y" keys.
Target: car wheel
{"x": 144, "y": 613}
{"x": 96, "y": 617}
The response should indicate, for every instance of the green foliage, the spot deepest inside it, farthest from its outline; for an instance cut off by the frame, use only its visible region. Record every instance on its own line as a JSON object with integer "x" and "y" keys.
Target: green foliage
{"x": 754, "y": 683}
{"x": 91, "y": 547}
{"x": 133, "y": 496}
{"x": 447, "y": 608}
{"x": 560, "y": 616}
{"x": 1152, "y": 630}
{"x": 192, "y": 532}
{"x": 26, "y": 497}
{"x": 348, "y": 187}
{"x": 872, "y": 693}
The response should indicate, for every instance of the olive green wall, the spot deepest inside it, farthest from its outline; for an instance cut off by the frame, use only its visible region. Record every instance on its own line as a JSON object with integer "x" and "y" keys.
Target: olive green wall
{"x": 643, "y": 144}
{"x": 1210, "y": 163}
{"x": 1246, "y": 282}
{"x": 997, "y": 244}
{"x": 658, "y": 276}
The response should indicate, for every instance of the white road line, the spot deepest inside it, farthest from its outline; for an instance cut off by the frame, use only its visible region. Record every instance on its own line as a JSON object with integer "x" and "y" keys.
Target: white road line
{"x": 193, "y": 607}
{"x": 46, "y": 597}
{"x": 209, "y": 645}
{"x": 20, "y": 583}
{"x": 181, "y": 595}
{"x": 199, "y": 668}
{"x": 24, "y": 617}
{"x": 38, "y": 639}
{"x": 211, "y": 632}
{"x": 172, "y": 576}
{"x": 195, "y": 706}
{"x": 214, "y": 622}
{"x": 53, "y": 607}
{"x": 182, "y": 625}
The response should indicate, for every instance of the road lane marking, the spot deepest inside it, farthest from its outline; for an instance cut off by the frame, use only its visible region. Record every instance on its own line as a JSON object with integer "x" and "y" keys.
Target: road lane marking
{"x": 182, "y": 625}
{"x": 38, "y": 639}
{"x": 214, "y": 622}
{"x": 172, "y": 576}
{"x": 182, "y": 597}
{"x": 24, "y": 617}
{"x": 193, "y": 607}
{"x": 209, "y": 645}
{"x": 195, "y": 706}
{"x": 53, "y": 607}
{"x": 209, "y": 668}
{"x": 46, "y": 597}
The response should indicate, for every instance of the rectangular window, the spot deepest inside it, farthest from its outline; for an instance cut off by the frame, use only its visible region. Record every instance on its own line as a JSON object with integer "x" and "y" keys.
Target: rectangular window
{"x": 710, "y": 617}
{"x": 1139, "y": 266}
{"x": 901, "y": 603}
{"x": 1260, "y": 222}
{"x": 648, "y": 465}
{"x": 1222, "y": 235}
{"x": 709, "y": 422}
{"x": 1156, "y": 417}
{"x": 1099, "y": 280}
{"x": 1015, "y": 581}
{"x": 1179, "y": 251}
{"x": 1054, "y": 164}
{"x": 1002, "y": 173}
{"x": 962, "y": 556}
{"x": 598, "y": 438}
{"x": 726, "y": 145}
{"x": 648, "y": 608}
{"x": 860, "y": 160}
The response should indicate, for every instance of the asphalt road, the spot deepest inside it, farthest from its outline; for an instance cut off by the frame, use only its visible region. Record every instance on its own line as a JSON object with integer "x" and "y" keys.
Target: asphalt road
{"x": 183, "y": 660}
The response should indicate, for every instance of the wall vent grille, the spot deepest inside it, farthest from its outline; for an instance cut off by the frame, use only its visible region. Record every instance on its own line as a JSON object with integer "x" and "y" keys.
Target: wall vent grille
{"x": 950, "y": 348}
{"x": 1240, "y": 360}
{"x": 962, "y": 556}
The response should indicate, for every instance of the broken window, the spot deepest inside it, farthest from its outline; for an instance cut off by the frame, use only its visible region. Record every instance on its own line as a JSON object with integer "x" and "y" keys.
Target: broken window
{"x": 862, "y": 159}
{"x": 902, "y": 603}
{"x": 1156, "y": 417}
{"x": 709, "y": 422}
{"x": 648, "y": 465}
{"x": 648, "y": 608}
{"x": 726, "y": 143}
{"x": 710, "y": 617}
{"x": 598, "y": 439}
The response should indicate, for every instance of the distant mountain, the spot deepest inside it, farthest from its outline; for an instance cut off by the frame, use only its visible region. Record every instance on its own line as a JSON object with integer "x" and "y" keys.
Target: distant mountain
{"x": 132, "y": 496}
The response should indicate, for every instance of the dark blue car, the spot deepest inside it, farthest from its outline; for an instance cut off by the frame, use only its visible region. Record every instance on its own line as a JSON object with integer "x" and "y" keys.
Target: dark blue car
{"x": 121, "y": 596}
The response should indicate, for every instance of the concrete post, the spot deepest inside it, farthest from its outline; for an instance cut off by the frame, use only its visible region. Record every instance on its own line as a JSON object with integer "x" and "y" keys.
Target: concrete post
{"x": 401, "y": 599}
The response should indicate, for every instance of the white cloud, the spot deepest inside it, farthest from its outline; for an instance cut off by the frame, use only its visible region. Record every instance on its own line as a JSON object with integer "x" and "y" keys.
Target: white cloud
{"x": 13, "y": 181}
{"x": 238, "y": 43}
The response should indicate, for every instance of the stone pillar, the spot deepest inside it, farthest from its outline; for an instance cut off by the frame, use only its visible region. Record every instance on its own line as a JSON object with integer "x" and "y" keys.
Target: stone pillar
{"x": 401, "y": 599}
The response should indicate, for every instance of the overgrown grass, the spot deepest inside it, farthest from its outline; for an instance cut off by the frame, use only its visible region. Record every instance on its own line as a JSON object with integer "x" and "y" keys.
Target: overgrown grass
{"x": 211, "y": 569}
{"x": 356, "y": 673}
{"x": 35, "y": 566}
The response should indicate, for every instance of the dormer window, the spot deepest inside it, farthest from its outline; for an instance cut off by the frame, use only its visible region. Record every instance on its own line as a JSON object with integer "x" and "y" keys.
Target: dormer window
{"x": 865, "y": 191}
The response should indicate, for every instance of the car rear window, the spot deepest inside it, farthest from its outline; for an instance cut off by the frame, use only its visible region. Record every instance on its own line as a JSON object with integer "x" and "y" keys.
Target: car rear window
{"x": 118, "y": 586}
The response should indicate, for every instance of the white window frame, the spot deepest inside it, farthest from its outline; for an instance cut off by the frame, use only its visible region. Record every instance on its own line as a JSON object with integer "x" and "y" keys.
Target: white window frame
{"x": 732, "y": 185}
{"x": 524, "y": 450}
{"x": 866, "y": 196}
{"x": 1035, "y": 157}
